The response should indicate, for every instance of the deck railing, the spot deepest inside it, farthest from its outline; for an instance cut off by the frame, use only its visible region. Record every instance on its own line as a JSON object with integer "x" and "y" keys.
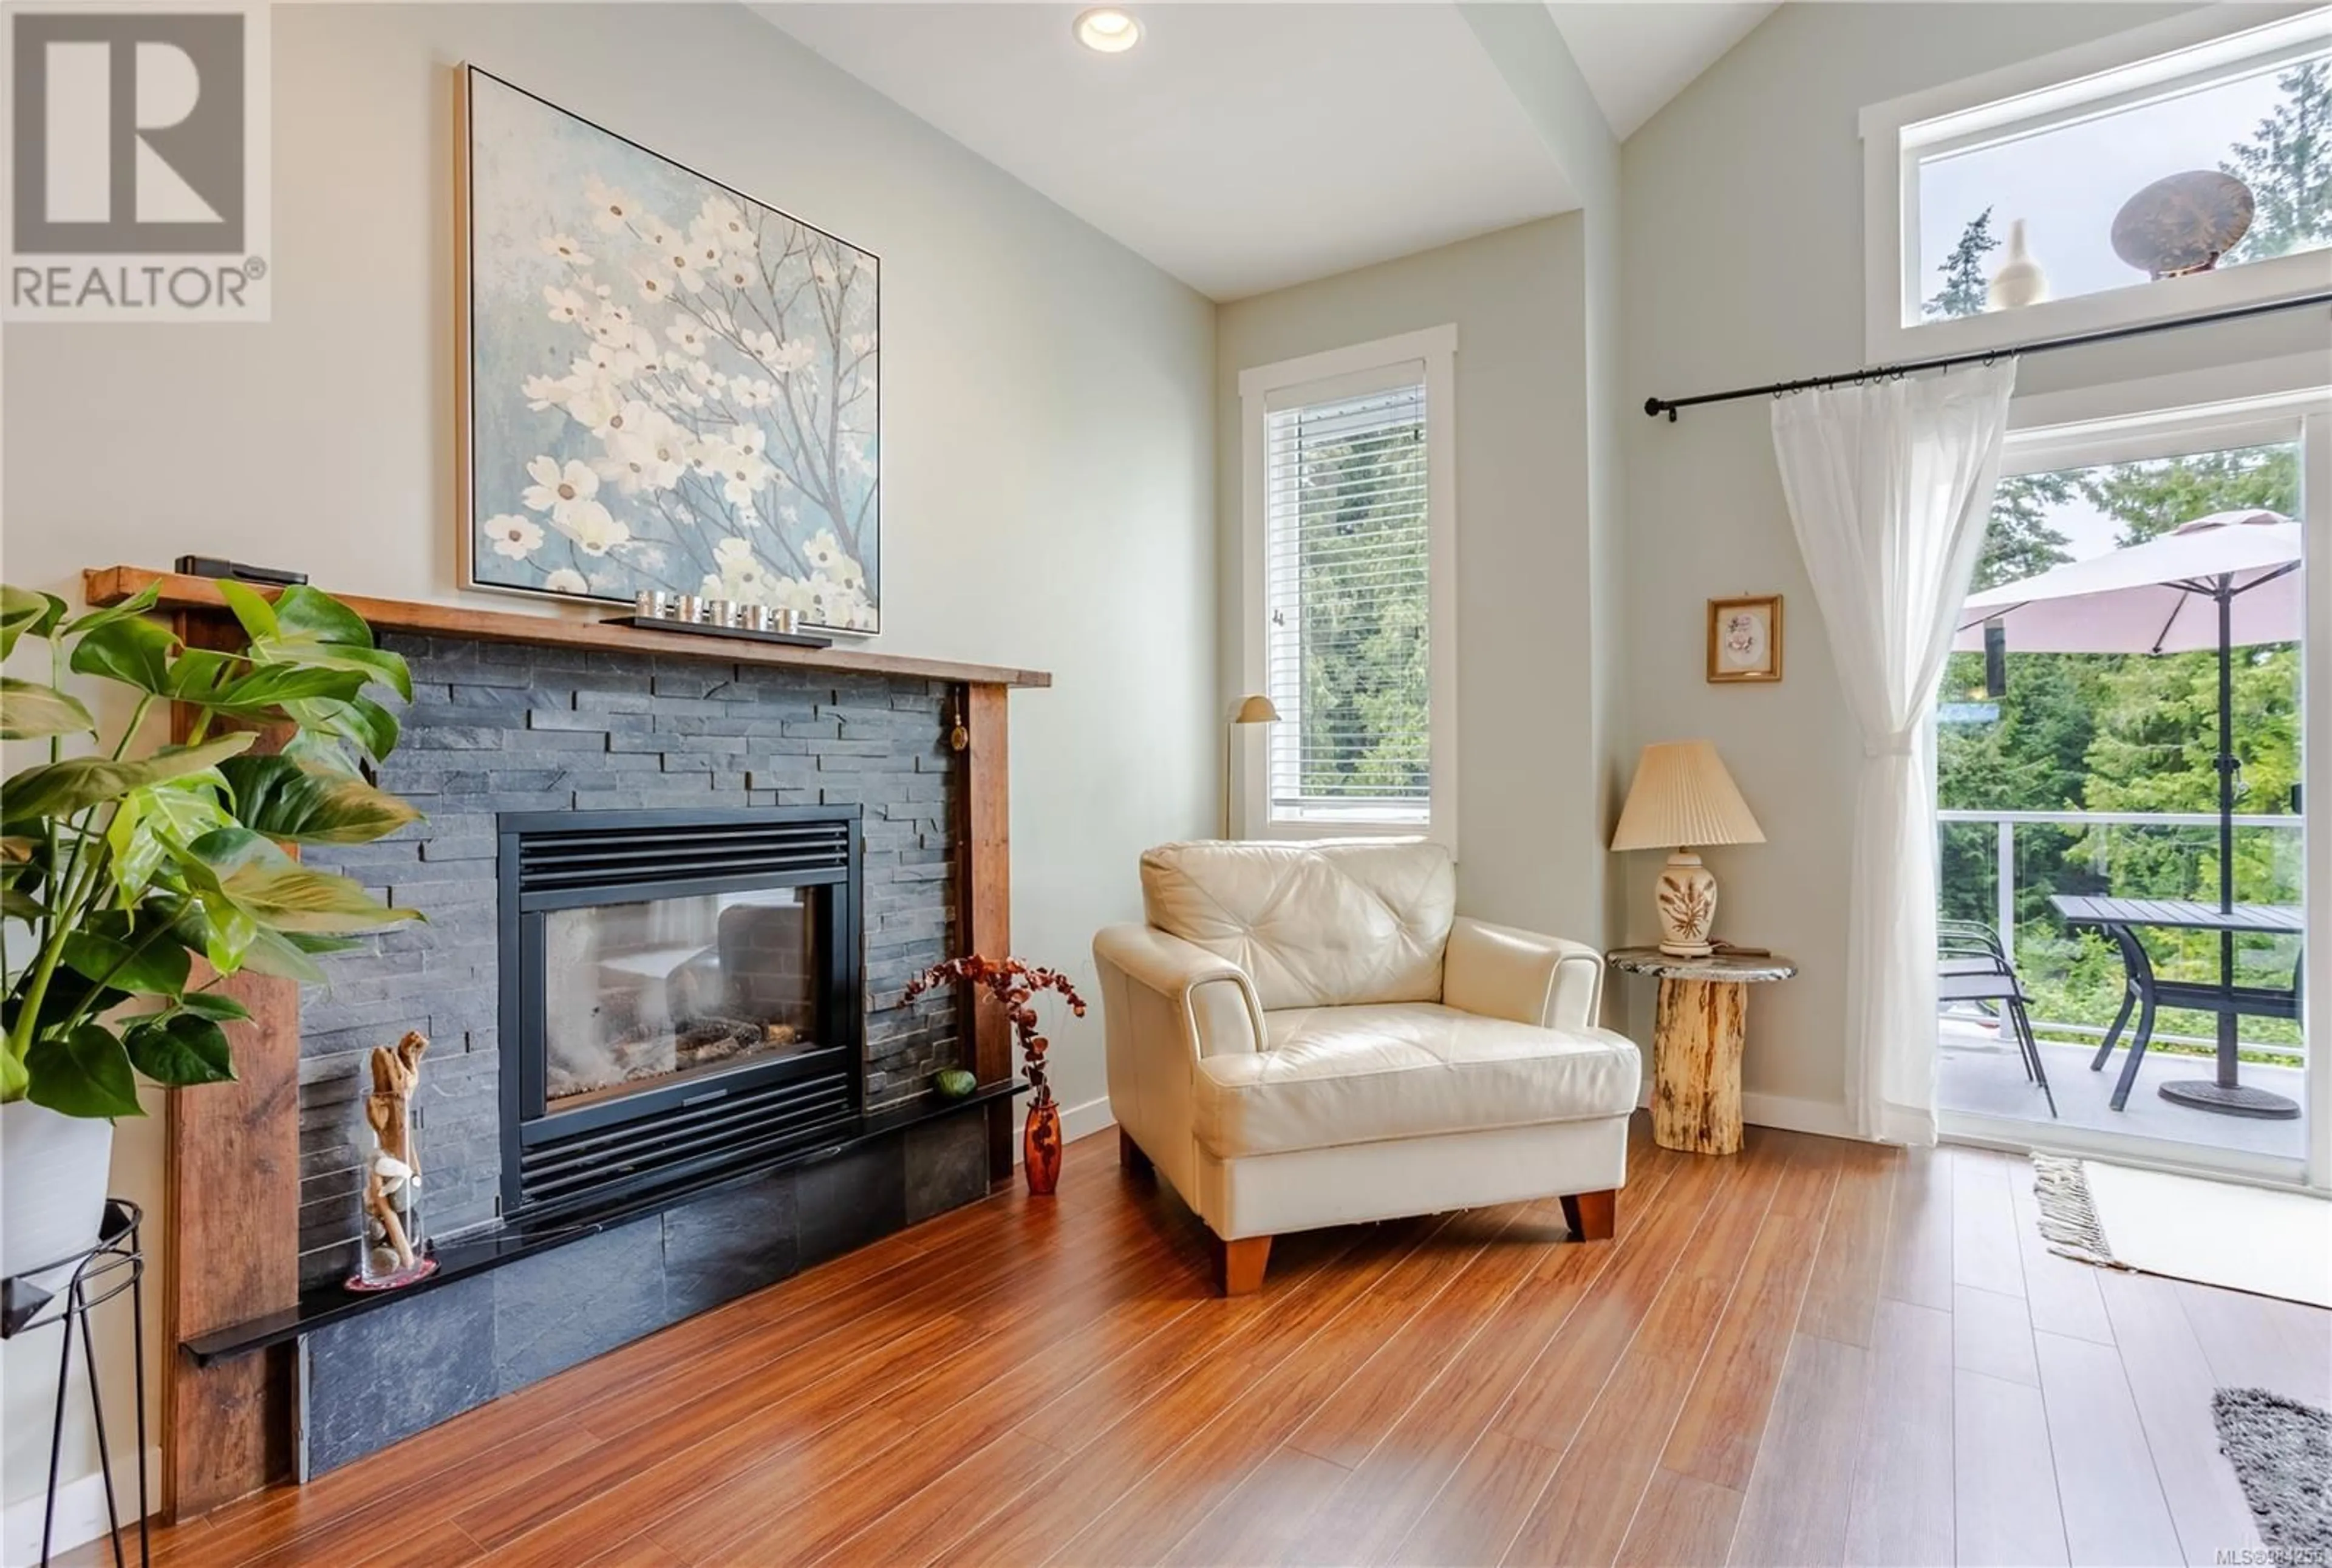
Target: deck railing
{"x": 2006, "y": 886}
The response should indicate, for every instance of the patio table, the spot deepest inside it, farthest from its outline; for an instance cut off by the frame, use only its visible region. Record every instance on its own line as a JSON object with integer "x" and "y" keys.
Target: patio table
{"x": 2119, "y": 919}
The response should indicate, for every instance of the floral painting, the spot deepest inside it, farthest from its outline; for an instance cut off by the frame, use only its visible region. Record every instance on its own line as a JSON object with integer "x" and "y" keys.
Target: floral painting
{"x": 670, "y": 386}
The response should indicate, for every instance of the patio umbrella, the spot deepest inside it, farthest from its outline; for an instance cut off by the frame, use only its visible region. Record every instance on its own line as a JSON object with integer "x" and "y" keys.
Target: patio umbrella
{"x": 2219, "y": 582}
{"x": 2159, "y": 597}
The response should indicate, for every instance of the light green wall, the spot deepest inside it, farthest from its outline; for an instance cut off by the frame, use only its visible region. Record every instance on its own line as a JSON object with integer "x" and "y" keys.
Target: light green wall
{"x": 1048, "y": 424}
{"x": 1529, "y": 824}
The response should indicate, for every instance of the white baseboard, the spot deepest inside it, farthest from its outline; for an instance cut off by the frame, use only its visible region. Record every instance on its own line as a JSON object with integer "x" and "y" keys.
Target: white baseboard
{"x": 1077, "y": 1122}
{"x": 1826, "y": 1117}
{"x": 1083, "y": 1121}
{"x": 80, "y": 1512}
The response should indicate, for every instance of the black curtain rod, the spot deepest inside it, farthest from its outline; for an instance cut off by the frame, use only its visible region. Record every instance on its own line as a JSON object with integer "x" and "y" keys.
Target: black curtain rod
{"x": 1655, "y": 407}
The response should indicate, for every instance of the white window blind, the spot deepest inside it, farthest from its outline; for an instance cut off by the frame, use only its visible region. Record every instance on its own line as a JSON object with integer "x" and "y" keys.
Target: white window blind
{"x": 1347, "y": 601}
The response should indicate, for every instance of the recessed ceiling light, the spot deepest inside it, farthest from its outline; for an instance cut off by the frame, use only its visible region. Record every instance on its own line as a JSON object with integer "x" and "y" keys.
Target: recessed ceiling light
{"x": 1107, "y": 30}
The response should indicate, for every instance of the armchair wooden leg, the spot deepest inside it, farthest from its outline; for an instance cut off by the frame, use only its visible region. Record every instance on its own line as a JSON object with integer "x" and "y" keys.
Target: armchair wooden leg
{"x": 1592, "y": 1215}
{"x": 1131, "y": 1157}
{"x": 1239, "y": 1264}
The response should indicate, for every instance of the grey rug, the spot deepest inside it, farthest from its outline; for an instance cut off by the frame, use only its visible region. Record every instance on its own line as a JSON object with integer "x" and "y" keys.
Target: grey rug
{"x": 2282, "y": 1454}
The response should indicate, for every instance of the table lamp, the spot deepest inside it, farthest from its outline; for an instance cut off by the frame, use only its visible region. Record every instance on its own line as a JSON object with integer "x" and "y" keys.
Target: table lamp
{"x": 1682, "y": 798}
{"x": 1256, "y": 709}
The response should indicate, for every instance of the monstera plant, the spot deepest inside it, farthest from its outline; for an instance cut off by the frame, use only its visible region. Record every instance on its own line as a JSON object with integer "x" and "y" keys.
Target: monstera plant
{"x": 124, "y": 863}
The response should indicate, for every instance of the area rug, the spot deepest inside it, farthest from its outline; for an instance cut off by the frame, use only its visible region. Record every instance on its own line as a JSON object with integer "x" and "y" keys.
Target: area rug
{"x": 2282, "y": 1454}
{"x": 2221, "y": 1233}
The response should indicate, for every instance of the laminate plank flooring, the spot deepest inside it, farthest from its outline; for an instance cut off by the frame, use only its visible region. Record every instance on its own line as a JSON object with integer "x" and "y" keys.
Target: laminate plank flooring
{"x": 1812, "y": 1353}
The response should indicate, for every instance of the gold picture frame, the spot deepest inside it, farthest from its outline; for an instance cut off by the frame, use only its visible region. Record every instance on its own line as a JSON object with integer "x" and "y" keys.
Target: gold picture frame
{"x": 1744, "y": 639}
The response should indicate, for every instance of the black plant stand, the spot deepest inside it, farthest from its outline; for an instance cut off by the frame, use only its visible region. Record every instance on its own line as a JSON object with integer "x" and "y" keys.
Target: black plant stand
{"x": 116, "y": 1264}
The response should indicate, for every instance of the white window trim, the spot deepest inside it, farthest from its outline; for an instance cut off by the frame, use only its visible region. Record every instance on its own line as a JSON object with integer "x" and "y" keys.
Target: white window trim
{"x": 1436, "y": 347}
{"x": 2062, "y": 86}
{"x": 2221, "y": 407}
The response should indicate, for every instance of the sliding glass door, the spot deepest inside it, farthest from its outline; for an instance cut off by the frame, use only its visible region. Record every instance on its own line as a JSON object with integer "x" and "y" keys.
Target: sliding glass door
{"x": 2122, "y": 780}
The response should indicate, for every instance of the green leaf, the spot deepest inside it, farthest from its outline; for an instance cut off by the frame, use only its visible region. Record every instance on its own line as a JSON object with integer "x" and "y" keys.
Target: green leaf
{"x": 274, "y": 953}
{"x": 303, "y": 804}
{"x": 58, "y": 790}
{"x": 136, "y": 605}
{"x": 13, "y": 1079}
{"x": 216, "y": 855}
{"x": 132, "y": 650}
{"x": 301, "y": 611}
{"x": 207, "y": 923}
{"x": 86, "y": 1073}
{"x": 179, "y": 1048}
{"x": 217, "y": 1006}
{"x": 21, "y": 610}
{"x": 19, "y": 905}
{"x": 315, "y": 748}
{"x": 250, "y": 608}
{"x": 142, "y": 968}
{"x": 29, "y": 710}
{"x": 372, "y": 663}
{"x": 231, "y": 684}
{"x": 362, "y": 720}
{"x": 293, "y": 898}
{"x": 150, "y": 824}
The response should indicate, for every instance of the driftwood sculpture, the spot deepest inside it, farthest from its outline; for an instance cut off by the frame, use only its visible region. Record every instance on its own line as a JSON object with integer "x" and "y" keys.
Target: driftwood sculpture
{"x": 393, "y": 1176}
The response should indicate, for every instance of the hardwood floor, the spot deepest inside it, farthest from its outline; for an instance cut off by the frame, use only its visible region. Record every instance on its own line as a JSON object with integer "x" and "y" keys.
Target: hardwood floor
{"x": 1810, "y": 1353}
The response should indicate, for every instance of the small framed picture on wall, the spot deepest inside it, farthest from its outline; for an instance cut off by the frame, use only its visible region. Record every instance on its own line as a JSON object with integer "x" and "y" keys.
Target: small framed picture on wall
{"x": 1744, "y": 639}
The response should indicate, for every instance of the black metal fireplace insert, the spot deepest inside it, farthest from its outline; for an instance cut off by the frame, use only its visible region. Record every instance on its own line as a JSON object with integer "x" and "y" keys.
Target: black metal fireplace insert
{"x": 680, "y": 997}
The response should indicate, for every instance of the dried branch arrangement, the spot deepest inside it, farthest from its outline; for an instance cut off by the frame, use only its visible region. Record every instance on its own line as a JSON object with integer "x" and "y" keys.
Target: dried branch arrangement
{"x": 1015, "y": 985}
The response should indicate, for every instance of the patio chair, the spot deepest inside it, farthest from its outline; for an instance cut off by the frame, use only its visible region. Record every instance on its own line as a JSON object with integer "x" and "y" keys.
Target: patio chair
{"x": 2136, "y": 983}
{"x": 1972, "y": 965}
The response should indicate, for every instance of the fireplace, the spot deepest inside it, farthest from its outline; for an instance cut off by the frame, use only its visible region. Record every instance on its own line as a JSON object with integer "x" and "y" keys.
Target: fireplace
{"x": 681, "y": 997}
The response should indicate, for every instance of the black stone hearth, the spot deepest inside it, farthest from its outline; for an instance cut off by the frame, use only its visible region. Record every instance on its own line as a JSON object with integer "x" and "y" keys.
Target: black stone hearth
{"x": 376, "y": 1370}
{"x": 501, "y": 731}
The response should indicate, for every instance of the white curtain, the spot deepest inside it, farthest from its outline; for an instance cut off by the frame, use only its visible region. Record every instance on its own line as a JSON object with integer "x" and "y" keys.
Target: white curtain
{"x": 1889, "y": 487}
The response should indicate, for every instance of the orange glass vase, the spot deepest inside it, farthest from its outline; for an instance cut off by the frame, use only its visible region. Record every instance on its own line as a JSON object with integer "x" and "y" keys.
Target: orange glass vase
{"x": 1040, "y": 1147}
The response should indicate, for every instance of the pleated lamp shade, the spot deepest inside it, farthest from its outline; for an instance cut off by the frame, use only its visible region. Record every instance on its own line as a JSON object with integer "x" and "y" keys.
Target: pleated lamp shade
{"x": 1682, "y": 798}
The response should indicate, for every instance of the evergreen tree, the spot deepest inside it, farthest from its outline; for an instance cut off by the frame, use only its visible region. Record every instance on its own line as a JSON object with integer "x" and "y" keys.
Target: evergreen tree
{"x": 2287, "y": 164}
{"x": 2020, "y": 543}
{"x": 2150, "y": 499}
{"x": 1962, "y": 294}
{"x": 2124, "y": 733}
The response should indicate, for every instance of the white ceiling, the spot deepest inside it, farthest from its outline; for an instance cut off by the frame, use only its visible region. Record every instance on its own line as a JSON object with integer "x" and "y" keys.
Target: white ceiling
{"x": 1636, "y": 57}
{"x": 1245, "y": 146}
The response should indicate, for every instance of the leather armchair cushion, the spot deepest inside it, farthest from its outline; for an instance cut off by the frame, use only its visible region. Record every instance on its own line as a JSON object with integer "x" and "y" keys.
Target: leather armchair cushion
{"x": 1312, "y": 924}
{"x": 1357, "y": 1074}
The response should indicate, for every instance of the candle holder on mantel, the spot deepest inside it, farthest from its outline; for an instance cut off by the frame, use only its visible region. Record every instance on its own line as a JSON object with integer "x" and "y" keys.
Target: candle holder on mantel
{"x": 395, "y": 1244}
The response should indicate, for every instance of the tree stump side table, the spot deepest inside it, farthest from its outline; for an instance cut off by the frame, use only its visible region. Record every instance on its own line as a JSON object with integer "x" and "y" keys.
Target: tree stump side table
{"x": 1697, "y": 1036}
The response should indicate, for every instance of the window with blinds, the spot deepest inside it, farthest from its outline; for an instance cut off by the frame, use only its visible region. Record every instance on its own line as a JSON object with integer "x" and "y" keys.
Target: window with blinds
{"x": 1348, "y": 621}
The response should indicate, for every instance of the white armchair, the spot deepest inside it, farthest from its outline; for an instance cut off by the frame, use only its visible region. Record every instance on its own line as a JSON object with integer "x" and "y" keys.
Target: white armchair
{"x": 1308, "y": 1034}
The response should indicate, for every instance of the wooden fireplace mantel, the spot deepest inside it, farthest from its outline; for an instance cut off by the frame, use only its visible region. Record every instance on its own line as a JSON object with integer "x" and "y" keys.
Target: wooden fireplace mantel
{"x": 232, "y": 1252}
{"x": 111, "y": 585}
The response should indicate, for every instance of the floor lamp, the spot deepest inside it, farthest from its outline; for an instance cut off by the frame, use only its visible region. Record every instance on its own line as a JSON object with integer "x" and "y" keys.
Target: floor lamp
{"x": 1256, "y": 709}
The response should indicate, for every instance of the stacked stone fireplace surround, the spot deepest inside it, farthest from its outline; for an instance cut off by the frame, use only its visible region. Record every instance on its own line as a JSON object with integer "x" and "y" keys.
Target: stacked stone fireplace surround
{"x": 499, "y": 727}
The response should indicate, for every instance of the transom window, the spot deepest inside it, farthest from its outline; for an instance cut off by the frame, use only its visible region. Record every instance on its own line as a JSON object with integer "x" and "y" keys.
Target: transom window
{"x": 1348, "y": 528}
{"x": 2176, "y": 169}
